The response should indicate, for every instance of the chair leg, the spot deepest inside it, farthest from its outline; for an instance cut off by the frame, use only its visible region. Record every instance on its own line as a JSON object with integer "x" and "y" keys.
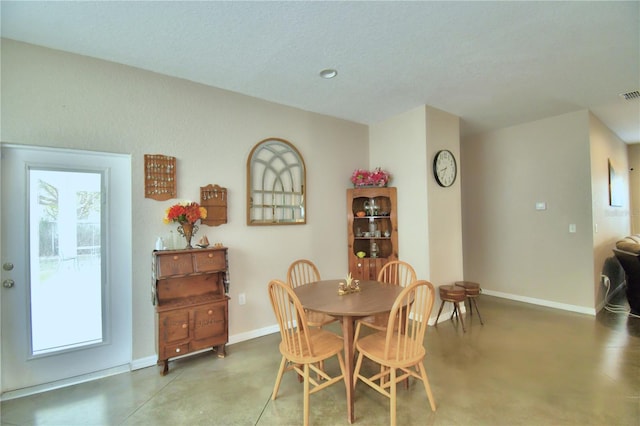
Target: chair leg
{"x": 455, "y": 311}
{"x": 321, "y": 367}
{"x": 457, "y": 307}
{"x": 427, "y": 386}
{"x": 355, "y": 336}
{"x": 300, "y": 376}
{"x": 306, "y": 395}
{"x": 283, "y": 364}
{"x": 393, "y": 396}
{"x": 439, "y": 312}
{"x": 341, "y": 364}
{"x": 356, "y": 371}
{"x": 474, "y": 302}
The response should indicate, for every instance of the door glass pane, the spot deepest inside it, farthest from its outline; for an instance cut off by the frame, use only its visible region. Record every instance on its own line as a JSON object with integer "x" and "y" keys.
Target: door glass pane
{"x": 65, "y": 229}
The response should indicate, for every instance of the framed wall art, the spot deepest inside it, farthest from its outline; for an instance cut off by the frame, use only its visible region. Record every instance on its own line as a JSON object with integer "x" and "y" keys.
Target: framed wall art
{"x": 276, "y": 184}
{"x": 616, "y": 186}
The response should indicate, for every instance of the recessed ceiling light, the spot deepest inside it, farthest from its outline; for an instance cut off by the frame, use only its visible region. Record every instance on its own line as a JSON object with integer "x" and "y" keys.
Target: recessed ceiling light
{"x": 328, "y": 73}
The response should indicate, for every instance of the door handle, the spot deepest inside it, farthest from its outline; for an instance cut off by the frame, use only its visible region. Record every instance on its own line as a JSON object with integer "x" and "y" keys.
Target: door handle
{"x": 8, "y": 283}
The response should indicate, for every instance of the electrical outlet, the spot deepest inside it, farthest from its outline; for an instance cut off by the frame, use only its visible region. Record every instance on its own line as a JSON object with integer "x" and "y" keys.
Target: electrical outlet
{"x": 242, "y": 299}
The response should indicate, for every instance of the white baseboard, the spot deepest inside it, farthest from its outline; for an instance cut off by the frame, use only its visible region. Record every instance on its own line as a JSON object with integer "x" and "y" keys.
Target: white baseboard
{"x": 265, "y": 331}
{"x": 152, "y": 360}
{"x": 145, "y": 362}
{"x": 541, "y": 302}
{"x": 32, "y": 390}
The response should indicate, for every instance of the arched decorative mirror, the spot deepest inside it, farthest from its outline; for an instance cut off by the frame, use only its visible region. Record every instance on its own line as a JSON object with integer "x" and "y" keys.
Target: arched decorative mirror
{"x": 276, "y": 184}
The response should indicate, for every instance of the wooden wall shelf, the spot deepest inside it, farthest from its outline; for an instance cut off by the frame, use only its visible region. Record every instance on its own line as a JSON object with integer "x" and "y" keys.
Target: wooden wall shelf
{"x": 214, "y": 199}
{"x": 159, "y": 177}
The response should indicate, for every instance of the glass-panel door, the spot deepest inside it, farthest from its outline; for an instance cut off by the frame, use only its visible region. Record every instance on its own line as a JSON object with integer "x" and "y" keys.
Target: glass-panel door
{"x": 65, "y": 228}
{"x": 66, "y": 266}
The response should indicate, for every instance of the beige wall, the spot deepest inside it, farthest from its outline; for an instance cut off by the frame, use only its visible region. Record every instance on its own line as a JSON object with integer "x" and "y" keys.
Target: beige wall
{"x": 445, "y": 204}
{"x": 51, "y": 98}
{"x": 510, "y": 247}
{"x": 398, "y": 145}
{"x": 429, "y": 217}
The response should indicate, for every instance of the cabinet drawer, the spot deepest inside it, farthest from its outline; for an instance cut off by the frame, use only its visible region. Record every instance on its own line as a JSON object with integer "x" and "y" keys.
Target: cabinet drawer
{"x": 209, "y": 261}
{"x": 196, "y": 345}
{"x": 210, "y": 321}
{"x": 190, "y": 289}
{"x": 174, "y": 264}
{"x": 174, "y": 326}
{"x": 171, "y": 351}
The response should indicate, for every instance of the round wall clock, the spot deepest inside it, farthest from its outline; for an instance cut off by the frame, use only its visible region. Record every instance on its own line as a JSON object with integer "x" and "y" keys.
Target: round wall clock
{"x": 445, "y": 168}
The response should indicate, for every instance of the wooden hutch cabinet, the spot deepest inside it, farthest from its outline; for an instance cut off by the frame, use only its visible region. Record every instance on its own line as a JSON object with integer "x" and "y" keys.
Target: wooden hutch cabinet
{"x": 372, "y": 230}
{"x": 189, "y": 291}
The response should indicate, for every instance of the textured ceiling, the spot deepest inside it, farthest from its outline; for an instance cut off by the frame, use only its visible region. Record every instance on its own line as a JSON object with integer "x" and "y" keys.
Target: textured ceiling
{"x": 494, "y": 64}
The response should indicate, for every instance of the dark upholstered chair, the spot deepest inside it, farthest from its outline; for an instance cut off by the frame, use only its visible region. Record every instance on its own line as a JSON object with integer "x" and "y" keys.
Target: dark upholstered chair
{"x": 627, "y": 252}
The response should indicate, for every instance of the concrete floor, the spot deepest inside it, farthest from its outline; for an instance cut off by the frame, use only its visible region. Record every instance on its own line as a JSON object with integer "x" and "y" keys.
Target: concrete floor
{"x": 528, "y": 365}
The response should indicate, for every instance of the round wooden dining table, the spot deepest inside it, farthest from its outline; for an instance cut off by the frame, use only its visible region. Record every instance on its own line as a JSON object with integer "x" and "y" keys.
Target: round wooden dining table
{"x": 374, "y": 297}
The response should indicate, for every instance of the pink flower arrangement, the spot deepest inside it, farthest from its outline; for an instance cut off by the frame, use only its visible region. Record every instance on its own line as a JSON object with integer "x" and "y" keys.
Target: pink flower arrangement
{"x": 375, "y": 177}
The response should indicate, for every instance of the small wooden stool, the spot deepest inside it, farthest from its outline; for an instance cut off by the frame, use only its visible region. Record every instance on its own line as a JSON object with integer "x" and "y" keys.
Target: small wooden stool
{"x": 472, "y": 291}
{"x": 455, "y": 295}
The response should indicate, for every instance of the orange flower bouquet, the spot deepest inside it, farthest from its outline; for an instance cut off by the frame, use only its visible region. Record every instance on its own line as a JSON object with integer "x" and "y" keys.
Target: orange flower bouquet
{"x": 186, "y": 214}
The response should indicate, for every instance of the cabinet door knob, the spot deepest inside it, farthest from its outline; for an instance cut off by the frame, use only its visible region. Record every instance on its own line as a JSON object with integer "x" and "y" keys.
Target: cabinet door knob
{"x": 175, "y": 257}
{"x": 184, "y": 325}
{"x": 177, "y": 349}
{"x": 210, "y": 311}
{"x": 210, "y": 254}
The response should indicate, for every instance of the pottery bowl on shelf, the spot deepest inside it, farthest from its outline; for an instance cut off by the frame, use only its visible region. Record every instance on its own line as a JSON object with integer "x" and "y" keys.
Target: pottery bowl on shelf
{"x": 360, "y": 213}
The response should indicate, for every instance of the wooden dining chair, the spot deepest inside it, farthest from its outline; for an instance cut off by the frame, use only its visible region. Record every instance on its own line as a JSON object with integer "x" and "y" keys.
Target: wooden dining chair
{"x": 303, "y": 271}
{"x": 399, "y": 349}
{"x": 396, "y": 272}
{"x": 303, "y": 348}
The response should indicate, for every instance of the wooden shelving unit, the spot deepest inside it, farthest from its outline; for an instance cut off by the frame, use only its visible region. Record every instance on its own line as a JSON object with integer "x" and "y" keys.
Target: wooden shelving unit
{"x": 373, "y": 234}
{"x": 159, "y": 177}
